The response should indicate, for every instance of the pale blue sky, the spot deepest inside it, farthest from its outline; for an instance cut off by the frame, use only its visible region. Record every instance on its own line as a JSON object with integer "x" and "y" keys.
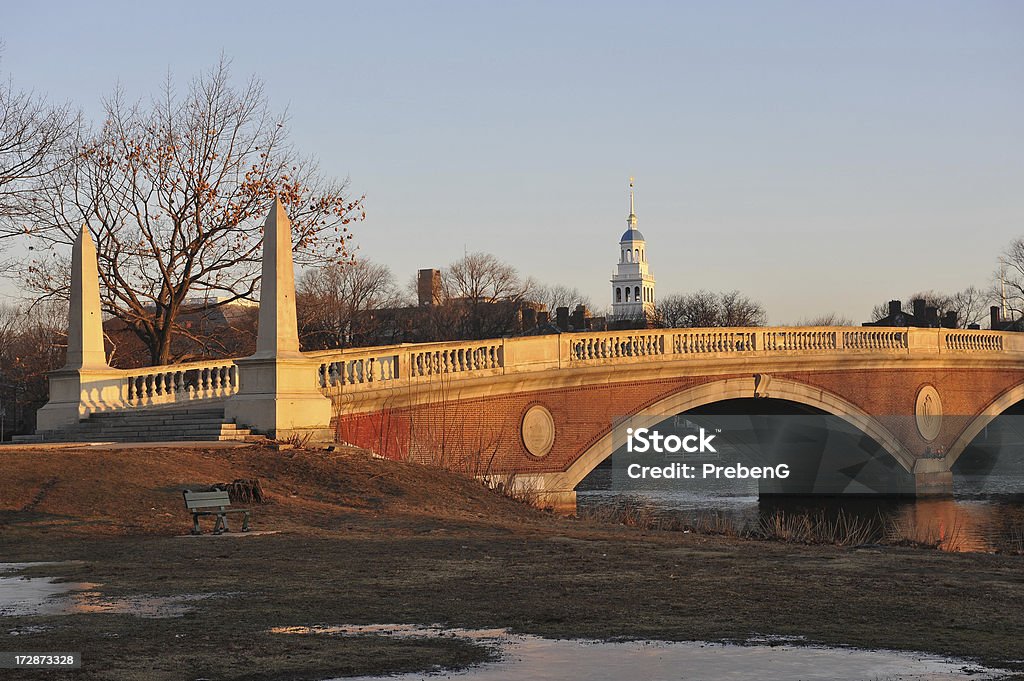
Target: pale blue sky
{"x": 818, "y": 156}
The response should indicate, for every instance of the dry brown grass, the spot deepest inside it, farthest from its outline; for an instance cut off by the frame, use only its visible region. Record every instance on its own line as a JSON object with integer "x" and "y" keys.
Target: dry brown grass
{"x": 841, "y": 529}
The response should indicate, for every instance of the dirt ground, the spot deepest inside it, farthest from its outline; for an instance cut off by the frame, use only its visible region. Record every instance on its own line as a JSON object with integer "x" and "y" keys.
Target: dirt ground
{"x": 357, "y": 540}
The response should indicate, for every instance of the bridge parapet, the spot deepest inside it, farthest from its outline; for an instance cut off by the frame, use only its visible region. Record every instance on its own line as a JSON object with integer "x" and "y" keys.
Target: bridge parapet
{"x": 409, "y": 364}
{"x": 874, "y": 340}
{"x": 977, "y": 341}
{"x": 178, "y": 383}
{"x": 114, "y": 390}
{"x": 369, "y": 369}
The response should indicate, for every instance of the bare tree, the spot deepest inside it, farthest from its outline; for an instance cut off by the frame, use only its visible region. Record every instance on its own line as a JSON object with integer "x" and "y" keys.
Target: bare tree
{"x": 707, "y": 309}
{"x": 697, "y": 310}
{"x": 1008, "y": 280}
{"x": 969, "y": 305}
{"x": 174, "y": 193}
{"x": 486, "y": 293}
{"x": 33, "y": 341}
{"x": 739, "y": 310}
{"x": 335, "y": 303}
{"x": 558, "y": 295}
{"x": 829, "y": 319}
{"x": 31, "y": 133}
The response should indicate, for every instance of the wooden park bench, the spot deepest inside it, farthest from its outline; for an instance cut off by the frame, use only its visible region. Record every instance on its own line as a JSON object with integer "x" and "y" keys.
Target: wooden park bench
{"x": 213, "y": 503}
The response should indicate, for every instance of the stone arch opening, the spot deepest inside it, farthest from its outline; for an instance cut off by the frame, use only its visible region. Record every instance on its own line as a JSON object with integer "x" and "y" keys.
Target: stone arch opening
{"x": 988, "y": 457}
{"x": 811, "y": 399}
{"x": 1008, "y": 404}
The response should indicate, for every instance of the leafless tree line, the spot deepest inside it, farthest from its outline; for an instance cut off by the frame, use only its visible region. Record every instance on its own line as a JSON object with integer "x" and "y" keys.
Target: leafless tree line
{"x": 173, "y": 189}
{"x": 707, "y": 309}
{"x": 970, "y": 305}
{"x": 33, "y": 341}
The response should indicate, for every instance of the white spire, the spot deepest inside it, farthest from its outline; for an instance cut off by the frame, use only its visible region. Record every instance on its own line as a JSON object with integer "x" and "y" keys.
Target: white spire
{"x": 631, "y": 220}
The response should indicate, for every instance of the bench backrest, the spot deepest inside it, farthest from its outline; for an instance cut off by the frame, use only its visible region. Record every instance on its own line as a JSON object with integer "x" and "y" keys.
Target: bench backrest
{"x": 194, "y": 500}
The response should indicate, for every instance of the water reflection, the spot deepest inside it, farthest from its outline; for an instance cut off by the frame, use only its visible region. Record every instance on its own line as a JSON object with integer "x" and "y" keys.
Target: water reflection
{"x": 533, "y": 657}
{"x": 31, "y": 596}
{"x": 986, "y": 513}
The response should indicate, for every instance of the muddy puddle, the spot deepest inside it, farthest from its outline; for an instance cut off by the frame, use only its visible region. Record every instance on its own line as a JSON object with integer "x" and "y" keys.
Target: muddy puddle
{"x": 22, "y": 596}
{"x": 767, "y": 659}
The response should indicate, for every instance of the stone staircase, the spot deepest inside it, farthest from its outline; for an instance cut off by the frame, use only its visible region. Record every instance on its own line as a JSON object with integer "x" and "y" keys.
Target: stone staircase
{"x": 156, "y": 425}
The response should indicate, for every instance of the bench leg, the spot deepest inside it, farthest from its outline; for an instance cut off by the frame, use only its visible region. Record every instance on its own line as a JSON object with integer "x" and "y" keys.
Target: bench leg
{"x": 195, "y": 524}
{"x": 221, "y": 525}
{"x": 245, "y": 522}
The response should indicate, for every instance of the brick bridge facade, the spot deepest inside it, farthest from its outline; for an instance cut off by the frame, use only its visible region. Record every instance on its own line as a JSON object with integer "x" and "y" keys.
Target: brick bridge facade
{"x": 922, "y": 394}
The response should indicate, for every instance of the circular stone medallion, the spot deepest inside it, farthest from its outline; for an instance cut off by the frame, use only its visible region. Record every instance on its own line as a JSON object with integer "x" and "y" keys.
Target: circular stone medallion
{"x": 538, "y": 430}
{"x": 929, "y": 412}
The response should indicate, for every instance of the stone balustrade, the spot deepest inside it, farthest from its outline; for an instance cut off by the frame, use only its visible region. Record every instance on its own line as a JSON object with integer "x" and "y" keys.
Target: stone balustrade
{"x": 178, "y": 383}
{"x": 456, "y": 358}
{"x": 864, "y": 339}
{"x": 365, "y": 369}
{"x": 799, "y": 340}
{"x": 625, "y": 344}
{"x": 974, "y": 341}
{"x": 339, "y": 369}
{"x": 703, "y": 341}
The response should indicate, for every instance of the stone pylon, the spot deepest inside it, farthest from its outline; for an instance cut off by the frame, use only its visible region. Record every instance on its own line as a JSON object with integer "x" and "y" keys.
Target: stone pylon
{"x": 279, "y": 393}
{"x": 85, "y": 383}
{"x": 85, "y": 322}
{"x": 278, "y": 332}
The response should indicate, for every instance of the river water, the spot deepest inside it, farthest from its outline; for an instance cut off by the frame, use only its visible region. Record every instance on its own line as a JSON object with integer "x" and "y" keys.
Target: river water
{"x": 985, "y": 514}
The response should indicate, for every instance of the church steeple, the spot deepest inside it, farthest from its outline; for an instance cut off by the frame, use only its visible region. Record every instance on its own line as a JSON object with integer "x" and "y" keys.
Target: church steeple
{"x": 632, "y": 281}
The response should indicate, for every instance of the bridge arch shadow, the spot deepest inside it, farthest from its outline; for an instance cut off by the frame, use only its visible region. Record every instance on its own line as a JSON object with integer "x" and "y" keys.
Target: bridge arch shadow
{"x": 1008, "y": 403}
{"x": 988, "y": 456}
{"x": 740, "y": 393}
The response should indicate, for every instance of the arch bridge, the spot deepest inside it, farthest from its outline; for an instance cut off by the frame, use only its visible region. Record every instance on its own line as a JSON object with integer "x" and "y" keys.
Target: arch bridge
{"x": 541, "y": 409}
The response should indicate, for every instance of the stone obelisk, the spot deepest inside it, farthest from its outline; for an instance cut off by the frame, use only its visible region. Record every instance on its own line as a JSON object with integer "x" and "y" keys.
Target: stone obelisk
{"x": 279, "y": 392}
{"x": 85, "y": 383}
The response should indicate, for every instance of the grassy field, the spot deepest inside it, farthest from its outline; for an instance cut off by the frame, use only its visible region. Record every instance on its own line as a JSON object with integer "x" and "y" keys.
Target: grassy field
{"x": 348, "y": 539}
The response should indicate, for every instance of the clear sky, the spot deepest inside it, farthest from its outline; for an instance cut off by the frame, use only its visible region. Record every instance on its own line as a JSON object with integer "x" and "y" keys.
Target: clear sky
{"x": 819, "y": 156}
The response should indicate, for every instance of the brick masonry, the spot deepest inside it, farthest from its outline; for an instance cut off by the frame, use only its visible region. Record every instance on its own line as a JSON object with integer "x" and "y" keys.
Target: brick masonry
{"x": 483, "y": 435}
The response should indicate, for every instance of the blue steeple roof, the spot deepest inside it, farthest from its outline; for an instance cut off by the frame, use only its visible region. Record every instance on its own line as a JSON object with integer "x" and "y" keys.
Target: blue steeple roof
{"x": 631, "y": 235}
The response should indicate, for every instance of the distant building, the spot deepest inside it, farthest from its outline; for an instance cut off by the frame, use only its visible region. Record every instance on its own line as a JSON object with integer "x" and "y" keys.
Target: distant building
{"x": 997, "y": 323}
{"x": 428, "y": 287}
{"x": 632, "y": 281}
{"x": 923, "y": 316}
